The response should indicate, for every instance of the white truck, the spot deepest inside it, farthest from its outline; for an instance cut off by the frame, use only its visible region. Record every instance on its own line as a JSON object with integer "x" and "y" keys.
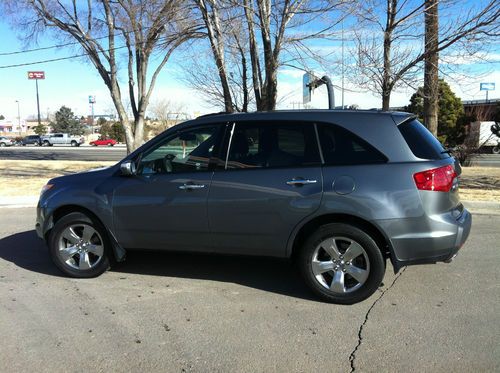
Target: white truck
{"x": 61, "y": 139}
{"x": 485, "y": 136}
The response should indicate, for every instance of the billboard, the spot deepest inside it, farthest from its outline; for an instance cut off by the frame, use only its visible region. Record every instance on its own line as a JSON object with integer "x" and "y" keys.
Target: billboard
{"x": 486, "y": 86}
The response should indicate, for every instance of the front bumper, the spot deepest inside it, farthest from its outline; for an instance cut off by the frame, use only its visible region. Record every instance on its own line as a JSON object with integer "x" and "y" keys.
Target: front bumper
{"x": 429, "y": 239}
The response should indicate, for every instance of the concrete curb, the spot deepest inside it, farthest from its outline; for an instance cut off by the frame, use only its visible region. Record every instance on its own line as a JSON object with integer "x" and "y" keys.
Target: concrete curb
{"x": 475, "y": 207}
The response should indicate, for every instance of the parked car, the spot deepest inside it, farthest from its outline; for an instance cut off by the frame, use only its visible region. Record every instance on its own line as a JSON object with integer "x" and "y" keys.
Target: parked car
{"x": 5, "y": 141}
{"x": 31, "y": 140}
{"x": 339, "y": 192}
{"x": 103, "y": 142}
{"x": 61, "y": 139}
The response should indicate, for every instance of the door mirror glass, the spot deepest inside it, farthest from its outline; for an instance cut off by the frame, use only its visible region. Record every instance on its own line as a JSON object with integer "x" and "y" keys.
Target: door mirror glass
{"x": 127, "y": 168}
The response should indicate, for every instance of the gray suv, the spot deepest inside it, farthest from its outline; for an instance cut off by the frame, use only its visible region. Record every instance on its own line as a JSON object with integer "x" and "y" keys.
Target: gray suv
{"x": 339, "y": 192}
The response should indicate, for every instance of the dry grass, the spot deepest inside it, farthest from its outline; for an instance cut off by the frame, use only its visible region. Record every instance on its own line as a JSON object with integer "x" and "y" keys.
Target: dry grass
{"x": 25, "y": 178}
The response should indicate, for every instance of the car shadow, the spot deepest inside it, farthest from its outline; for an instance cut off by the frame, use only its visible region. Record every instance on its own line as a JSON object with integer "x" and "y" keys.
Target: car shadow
{"x": 274, "y": 275}
{"x": 28, "y": 251}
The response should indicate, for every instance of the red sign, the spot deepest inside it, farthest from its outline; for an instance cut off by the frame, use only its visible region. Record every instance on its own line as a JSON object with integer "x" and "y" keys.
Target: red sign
{"x": 36, "y": 74}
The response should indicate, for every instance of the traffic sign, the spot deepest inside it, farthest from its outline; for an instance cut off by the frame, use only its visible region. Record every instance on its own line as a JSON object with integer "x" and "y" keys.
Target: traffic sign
{"x": 91, "y": 99}
{"x": 306, "y": 87}
{"x": 36, "y": 74}
{"x": 486, "y": 86}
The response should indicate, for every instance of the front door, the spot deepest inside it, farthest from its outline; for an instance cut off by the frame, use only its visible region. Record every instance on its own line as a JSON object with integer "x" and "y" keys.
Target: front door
{"x": 165, "y": 205}
{"x": 271, "y": 181}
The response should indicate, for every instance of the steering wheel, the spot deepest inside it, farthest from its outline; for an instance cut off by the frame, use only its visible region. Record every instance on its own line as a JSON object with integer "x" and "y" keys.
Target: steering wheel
{"x": 167, "y": 163}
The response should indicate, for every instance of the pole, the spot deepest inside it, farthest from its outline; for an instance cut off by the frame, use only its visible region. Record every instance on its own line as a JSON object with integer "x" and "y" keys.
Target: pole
{"x": 486, "y": 96}
{"x": 342, "y": 63}
{"x": 331, "y": 95}
{"x": 19, "y": 117}
{"x": 38, "y": 103}
{"x": 92, "y": 126}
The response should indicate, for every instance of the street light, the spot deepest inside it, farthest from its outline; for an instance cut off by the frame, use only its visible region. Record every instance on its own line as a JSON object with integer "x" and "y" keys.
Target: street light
{"x": 19, "y": 117}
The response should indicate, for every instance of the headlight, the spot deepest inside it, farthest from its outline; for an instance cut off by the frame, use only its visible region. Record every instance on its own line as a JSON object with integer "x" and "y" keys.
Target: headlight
{"x": 46, "y": 187}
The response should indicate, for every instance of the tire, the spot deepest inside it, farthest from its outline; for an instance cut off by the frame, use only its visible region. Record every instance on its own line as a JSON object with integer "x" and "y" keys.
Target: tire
{"x": 45, "y": 143}
{"x": 83, "y": 261}
{"x": 73, "y": 143}
{"x": 366, "y": 263}
{"x": 2, "y": 144}
{"x": 495, "y": 150}
{"x": 109, "y": 144}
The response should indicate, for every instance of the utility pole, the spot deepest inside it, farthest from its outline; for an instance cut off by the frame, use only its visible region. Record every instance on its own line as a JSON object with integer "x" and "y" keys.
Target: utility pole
{"x": 19, "y": 117}
{"x": 342, "y": 37}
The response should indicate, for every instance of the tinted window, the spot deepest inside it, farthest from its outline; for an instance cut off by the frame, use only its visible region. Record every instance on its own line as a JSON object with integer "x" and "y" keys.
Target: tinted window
{"x": 341, "y": 147}
{"x": 421, "y": 142}
{"x": 265, "y": 145}
{"x": 187, "y": 151}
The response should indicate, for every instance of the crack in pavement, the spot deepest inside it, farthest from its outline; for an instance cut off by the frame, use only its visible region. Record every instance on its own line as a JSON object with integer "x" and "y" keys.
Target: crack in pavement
{"x": 352, "y": 356}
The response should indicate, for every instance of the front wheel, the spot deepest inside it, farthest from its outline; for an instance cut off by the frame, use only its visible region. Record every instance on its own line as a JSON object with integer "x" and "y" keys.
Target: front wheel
{"x": 341, "y": 264}
{"x": 73, "y": 143}
{"x": 79, "y": 246}
{"x": 2, "y": 144}
{"x": 496, "y": 150}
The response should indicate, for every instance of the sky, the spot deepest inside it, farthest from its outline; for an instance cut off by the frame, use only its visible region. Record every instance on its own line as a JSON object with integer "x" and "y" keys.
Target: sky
{"x": 70, "y": 82}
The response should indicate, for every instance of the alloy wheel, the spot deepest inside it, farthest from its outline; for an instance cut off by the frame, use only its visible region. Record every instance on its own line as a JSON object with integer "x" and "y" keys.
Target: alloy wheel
{"x": 80, "y": 246}
{"x": 340, "y": 264}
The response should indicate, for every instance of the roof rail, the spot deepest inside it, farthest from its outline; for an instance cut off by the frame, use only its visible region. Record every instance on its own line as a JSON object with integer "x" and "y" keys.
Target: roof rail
{"x": 213, "y": 114}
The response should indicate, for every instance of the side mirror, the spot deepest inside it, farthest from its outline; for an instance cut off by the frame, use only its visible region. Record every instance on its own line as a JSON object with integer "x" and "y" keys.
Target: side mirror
{"x": 127, "y": 168}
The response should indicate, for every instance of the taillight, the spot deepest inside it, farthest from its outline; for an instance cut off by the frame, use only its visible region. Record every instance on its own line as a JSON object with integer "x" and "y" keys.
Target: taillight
{"x": 438, "y": 179}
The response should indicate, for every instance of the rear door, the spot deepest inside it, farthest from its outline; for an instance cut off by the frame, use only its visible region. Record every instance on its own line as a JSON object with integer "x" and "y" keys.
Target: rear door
{"x": 269, "y": 182}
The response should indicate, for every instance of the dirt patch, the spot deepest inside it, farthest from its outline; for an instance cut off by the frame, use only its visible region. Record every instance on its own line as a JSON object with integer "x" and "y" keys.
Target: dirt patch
{"x": 484, "y": 178}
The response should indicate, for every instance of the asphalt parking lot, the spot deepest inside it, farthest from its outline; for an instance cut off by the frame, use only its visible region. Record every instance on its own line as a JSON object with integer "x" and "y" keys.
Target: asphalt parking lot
{"x": 178, "y": 312}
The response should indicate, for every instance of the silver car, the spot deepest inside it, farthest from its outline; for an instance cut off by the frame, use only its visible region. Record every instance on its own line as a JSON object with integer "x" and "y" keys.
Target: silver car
{"x": 5, "y": 141}
{"x": 339, "y": 192}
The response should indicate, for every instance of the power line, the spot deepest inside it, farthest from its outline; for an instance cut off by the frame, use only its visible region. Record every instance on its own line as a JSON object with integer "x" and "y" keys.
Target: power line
{"x": 67, "y": 57}
{"x": 69, "y": 43}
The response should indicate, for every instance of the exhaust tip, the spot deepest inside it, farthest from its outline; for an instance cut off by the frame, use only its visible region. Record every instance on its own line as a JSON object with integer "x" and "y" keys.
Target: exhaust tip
{"x": 450, "y": 259}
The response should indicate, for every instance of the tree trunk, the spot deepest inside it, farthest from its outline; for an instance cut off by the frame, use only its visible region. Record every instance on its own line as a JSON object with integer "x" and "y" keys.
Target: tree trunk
{"x": 386, "y": 99}
{"x": 431, "y": 76}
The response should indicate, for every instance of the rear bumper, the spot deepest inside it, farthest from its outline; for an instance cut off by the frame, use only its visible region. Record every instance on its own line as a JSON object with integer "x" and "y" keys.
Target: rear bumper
{"x": 430, "y": 239}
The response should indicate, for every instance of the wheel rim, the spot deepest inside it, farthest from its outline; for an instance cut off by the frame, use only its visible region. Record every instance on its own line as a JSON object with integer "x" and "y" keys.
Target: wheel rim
{"x": 340, "y": 264}
{"x": 80, "y": 246}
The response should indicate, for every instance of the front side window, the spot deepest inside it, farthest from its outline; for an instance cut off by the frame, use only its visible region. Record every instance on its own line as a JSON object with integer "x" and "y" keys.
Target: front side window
{"x": 188, "y": 151}
{"x": 270, "y": 145}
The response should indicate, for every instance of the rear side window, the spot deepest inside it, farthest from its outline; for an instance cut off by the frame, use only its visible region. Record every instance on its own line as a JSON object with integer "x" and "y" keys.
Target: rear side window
{"x": 270, "y": 145}
{"x": 421, "y": 142}
{"x": 341, "y": 147}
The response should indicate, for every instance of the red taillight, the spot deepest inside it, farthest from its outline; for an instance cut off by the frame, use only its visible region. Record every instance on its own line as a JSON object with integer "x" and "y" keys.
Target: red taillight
{"x": 438, "y": 179}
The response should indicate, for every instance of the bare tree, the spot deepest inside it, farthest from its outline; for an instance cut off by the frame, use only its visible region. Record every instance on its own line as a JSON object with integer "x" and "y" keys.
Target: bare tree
{"x": 165, "y": 114}
{"x": 431, "y": 62}
{"x": 225, "y": 81}
{"x": 397, "y": 62}
{"x": 103, "y": 27}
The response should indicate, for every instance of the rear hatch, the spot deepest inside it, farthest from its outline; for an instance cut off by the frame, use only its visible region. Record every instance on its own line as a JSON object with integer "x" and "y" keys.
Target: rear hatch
{"x": 436, "y": 173}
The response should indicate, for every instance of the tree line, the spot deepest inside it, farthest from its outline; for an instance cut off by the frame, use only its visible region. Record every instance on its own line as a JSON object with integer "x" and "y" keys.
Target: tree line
{"x": 239, "y": 46}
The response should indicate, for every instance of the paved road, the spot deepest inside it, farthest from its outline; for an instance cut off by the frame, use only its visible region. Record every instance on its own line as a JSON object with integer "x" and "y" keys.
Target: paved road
{"x": 82, "y": 153}
{"x": 179, "y": 312}
{"x": 486, "y": 160}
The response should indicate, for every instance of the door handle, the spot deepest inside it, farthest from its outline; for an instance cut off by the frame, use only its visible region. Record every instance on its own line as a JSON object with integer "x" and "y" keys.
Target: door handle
{"x": 190, "y": 186}
{"x": 300, "y": 182}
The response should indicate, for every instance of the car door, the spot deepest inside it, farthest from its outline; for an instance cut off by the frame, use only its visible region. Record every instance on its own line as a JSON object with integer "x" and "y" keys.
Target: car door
{"x": 270, "y": 181}
{"x": 164, "y": 206}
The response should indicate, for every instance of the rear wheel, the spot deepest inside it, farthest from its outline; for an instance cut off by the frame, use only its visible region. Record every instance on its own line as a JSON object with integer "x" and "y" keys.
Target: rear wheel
{"x": 496, "y": 150}
{"x": 2, "y": 144}
{"x": 341, "y": 264}
{"x": 74, "y": 143}
{"x": 79, "y": 246}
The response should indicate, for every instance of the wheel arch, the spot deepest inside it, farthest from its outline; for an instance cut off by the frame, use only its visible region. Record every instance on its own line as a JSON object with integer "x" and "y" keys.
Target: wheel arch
{"x": 59, "y": 212}
{"x": 310, "y": 226}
